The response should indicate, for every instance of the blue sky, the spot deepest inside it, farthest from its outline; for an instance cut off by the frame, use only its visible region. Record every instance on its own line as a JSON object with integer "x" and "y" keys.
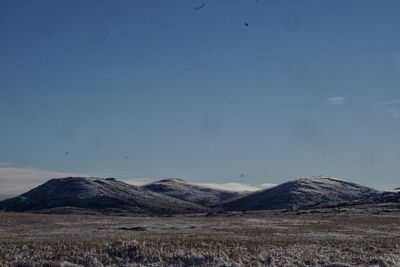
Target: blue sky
{"x": 153, "y": 89}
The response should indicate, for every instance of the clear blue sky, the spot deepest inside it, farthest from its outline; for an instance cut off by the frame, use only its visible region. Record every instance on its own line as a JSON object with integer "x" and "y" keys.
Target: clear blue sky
{"x": 148, "y": 88}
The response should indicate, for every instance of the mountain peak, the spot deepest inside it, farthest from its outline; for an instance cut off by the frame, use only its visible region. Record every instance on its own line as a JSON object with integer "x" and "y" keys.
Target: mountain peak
{"x": 304, "y": 192}
{"x": 321, "y": 179}
{"x": 97, "y": 194}
{"x": 171, "y": 180}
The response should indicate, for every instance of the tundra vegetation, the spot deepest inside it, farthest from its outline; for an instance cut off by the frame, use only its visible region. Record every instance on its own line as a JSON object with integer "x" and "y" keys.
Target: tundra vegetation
{"x": 325, "y": 237}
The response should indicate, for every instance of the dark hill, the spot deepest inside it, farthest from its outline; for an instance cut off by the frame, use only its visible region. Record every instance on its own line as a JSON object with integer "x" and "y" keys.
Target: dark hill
{"x": 97, "y": 194}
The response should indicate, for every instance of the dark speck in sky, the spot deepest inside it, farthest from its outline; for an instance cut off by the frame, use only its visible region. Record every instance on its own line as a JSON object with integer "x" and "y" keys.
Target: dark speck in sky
{"x": 246, "y": 24}
{"x": 200, "y": 6}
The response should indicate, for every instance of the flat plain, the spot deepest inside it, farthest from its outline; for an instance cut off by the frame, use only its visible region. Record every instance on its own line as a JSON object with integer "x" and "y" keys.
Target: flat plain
{"x": 339, "y": 237}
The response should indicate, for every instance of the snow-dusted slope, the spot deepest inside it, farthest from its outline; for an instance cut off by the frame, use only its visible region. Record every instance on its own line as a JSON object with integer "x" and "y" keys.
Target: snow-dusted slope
{"x": 306, "y": 192}
{"x": 183, "y": 190}
{"x": 384, "y": 197}
{"x": 99, "y": 194}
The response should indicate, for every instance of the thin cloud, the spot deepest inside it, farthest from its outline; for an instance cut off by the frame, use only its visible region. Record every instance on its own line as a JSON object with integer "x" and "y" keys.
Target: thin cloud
{"x": 267, "y": 185}
{"x": 389, "y": 107}
{"x": 236, "y": 187}
{"x": 394, "y": 113}
{"x": 17, "y": 180}
{"x": 336, "y": 100}
{"x": 138, "y": 181}
{"x": 388, "y": 103}
{"x": 230, "y": 186}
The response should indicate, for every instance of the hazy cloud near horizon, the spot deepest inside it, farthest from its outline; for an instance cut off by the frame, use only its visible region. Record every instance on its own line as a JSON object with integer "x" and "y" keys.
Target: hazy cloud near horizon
{"x": 239, "y": 187}
{"x": 229, "y": 186}
{"x": 15, "y": 180}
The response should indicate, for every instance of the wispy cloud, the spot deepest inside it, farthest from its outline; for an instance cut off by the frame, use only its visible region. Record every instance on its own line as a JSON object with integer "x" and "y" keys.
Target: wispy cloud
{"x": 389, "y": 107}
{"x": 267, "y": 185}
{"x": 394, "y": 113}
{"x": 238, "y": 187}
{"x": 17, "y": 180}
{"x": 336, "y": 100}
{"x": 388, "y": 102}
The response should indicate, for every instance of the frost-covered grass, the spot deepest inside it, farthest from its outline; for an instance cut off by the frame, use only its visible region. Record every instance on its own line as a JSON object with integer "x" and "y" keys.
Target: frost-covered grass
{"x": 195, "y": 251}
{"x": 237, "y": 240}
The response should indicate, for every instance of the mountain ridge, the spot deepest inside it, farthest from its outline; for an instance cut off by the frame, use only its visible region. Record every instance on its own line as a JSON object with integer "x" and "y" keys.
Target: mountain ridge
{"x": 177, "y": 196}
{"x": 96, "y": 193}
{"x": 181, "y": 189}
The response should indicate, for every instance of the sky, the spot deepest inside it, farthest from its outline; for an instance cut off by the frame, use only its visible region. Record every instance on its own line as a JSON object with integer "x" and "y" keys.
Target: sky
{"x": 221, "y": 92}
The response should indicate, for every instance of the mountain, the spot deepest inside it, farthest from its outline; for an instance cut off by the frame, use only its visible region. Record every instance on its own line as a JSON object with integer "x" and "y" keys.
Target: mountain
{"x": 97, "y": 194}
{"x": 301, "y": 193}
{"x": 176, "y": 196}
{"x": 384, "y": 197}
{"x": 180, "y": 189}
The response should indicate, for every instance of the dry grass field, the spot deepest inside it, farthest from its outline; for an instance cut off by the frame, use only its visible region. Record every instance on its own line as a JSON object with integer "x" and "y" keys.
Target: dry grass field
{"x": 346, "y": 238}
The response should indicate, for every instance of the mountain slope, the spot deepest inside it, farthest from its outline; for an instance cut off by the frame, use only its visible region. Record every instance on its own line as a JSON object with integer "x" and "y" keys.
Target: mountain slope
{"x": 97, "y": 194}
{"x": 306, "y": 192}
{"x": 384, "y": 197}
{"x": 183, "y": 190}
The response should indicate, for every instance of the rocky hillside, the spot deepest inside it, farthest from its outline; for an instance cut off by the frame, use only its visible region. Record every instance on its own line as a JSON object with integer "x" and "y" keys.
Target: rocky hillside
{"x": 97, "y": 194}
{"x": 301, "y": 193}
{"x": 384, "y": 197}
{"x": 183, "y": 190}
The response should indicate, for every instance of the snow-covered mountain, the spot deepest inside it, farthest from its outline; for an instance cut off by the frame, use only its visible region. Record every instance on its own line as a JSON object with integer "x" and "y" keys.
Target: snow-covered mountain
{"x": 97, "y": 194}
{"x": 306, "y": 192}
{"x": 183, "y": 190}
{"x": 175, "y": 196}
